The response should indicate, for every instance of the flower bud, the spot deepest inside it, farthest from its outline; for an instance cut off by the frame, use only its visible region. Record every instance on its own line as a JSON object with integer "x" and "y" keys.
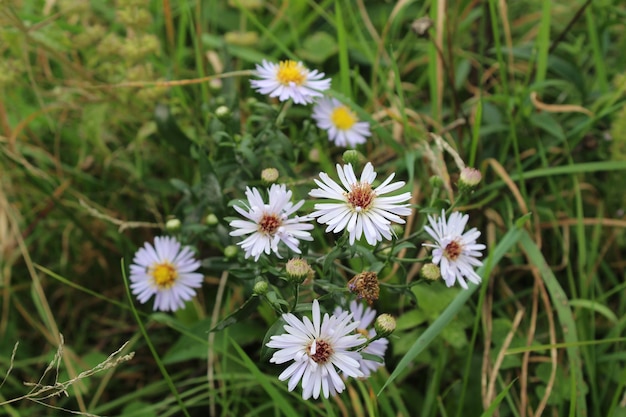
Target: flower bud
{"x": 365, "y": 286}
{"x": 351, "y": 156}
{"x": 231, "y": 251}
{"x": 469, "y": 179}
{"x": 397, "y": 229}
{"x": 314, "y": 155}
{"x": 384, "y": 325}
{"x": 299, "y": 271}
{"x": 222, "y": 112}
{"x": 430, "y": 272}
{"x": 211, "y": 220}
{"x": 260, "y": 288}
{"x": 435, "y": 182}
{"x": 172, "y": 225}
{"x": 215, "y": 85}
{"x": 269, "y": 175}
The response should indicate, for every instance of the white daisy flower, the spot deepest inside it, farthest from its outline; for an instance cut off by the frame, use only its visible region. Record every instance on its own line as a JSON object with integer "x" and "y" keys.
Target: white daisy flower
{"x": 455, "y": 252}
{"x": 269, "y": 224}
{"x": 165, "y": 271}
{"x": 365, "y": 316}
{"x": 318, "y": 349}
{"x": 290, "y": 80}
{"x": 341, "y": 123}
{"x": 360, "y": 209}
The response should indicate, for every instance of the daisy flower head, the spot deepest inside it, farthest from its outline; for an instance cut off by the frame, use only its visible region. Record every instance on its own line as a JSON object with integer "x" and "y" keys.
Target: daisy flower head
{"x": 360, "y": 209}
{"x": 455, "y": 252}
{"x": 289, "y": 80}
{"x": 365, "y": 316}
{"x": 165, "y": 270}
{"x": 341, "y": 123}
{"x": 269, "y": 224}
{"x": 318, "y": 348}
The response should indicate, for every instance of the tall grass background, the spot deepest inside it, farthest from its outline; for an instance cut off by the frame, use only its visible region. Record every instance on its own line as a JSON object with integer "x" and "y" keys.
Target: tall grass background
{"x": 101, "y": 103}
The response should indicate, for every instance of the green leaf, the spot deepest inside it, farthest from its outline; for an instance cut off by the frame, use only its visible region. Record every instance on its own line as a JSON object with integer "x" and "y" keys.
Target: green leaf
{"x": 318, "y": 47}
{"x": 169, "y": 131}
{"x": 496, "y": 402}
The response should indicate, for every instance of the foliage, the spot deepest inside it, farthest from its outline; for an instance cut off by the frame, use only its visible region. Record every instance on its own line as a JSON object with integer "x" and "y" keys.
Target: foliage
{"x": 109, "y": 126}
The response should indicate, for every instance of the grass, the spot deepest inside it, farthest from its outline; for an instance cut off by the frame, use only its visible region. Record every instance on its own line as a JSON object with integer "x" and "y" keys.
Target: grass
{"x": 108, "y": 128}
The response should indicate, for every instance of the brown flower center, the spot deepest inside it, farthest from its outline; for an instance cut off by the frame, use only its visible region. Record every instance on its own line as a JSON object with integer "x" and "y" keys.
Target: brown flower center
{"x": 323, "y": 351}
{"x": 453, "y": 250}
{"x": 269, "y": 223}
{"x": 361, "y": 197}
{"x": 165, "y": 275}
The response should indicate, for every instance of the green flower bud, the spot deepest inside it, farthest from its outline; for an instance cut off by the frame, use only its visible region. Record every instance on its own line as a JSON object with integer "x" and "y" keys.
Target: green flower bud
{"x": 269, "y": 175}
{"x": 211, "y": 220}
{"x": 436, "y": 182}
{"x": 430, "y": 272}
{"x": 351, "y": 156}
{"x": 172, "y": 225}
{"x": 469, "y": 179}
{"x": 299, "y": 271}
{"x": 222, "y": 112}
{"x": 384, "y": 325}
{"x": 231, "y": 251}
{"x": 260, "y": 288}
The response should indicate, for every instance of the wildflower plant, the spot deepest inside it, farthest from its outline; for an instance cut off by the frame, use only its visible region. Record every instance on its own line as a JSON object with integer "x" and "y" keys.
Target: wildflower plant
{"x": 323, "y": 250}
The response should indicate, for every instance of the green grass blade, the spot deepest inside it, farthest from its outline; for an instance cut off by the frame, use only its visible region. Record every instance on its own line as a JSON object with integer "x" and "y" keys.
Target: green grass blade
{"x": 566, "y": 318}
{"x": 264, "y": 382}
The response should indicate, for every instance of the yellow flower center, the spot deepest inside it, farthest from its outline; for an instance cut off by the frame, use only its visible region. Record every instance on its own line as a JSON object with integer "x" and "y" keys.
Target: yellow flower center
{"x": 165, "y": 275}
{"x": 269, "y": 223}
{"x": 291, "y": 72}
{"x": 361, "y": 197}
{"x": 343, "y": 118}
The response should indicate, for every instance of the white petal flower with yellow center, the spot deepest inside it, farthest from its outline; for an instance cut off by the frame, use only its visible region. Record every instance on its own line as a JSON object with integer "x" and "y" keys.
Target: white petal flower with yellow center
{"x": 360, "y": 208}
{"x": 166, "y": 271}
{"x": 365, "y": 316}
{"x": 319, "y": 349}
{"x": 290, "y": 80}
{"x": 340, "y": 122}
{"x": 455, "y": 252}
{"x": 269, "y": 224}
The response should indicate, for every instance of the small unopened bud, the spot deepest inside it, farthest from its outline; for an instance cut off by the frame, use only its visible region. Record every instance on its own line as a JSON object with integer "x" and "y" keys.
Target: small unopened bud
{"x": 435, "y": 181}
{"x": 269, "y": 175}
{"x": 314, "y": 155}
{"x": 260, "y": 288}
{"x": 397, "y": 229}
{"x": 215, "y": 85}
{"x": 365, "y": 286}
{"x": 430, "y": 272}
{"x": 222, "y": 112}
{"x": 469, "y": 179}
{"x": 384, "y": 325}
{"x": 351, "y": 156}
{"x": 299, "y": 271}
{"x": 172, "y": 225}
{"x": 231, "y": 251}
{"x": 211, "y": 220}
